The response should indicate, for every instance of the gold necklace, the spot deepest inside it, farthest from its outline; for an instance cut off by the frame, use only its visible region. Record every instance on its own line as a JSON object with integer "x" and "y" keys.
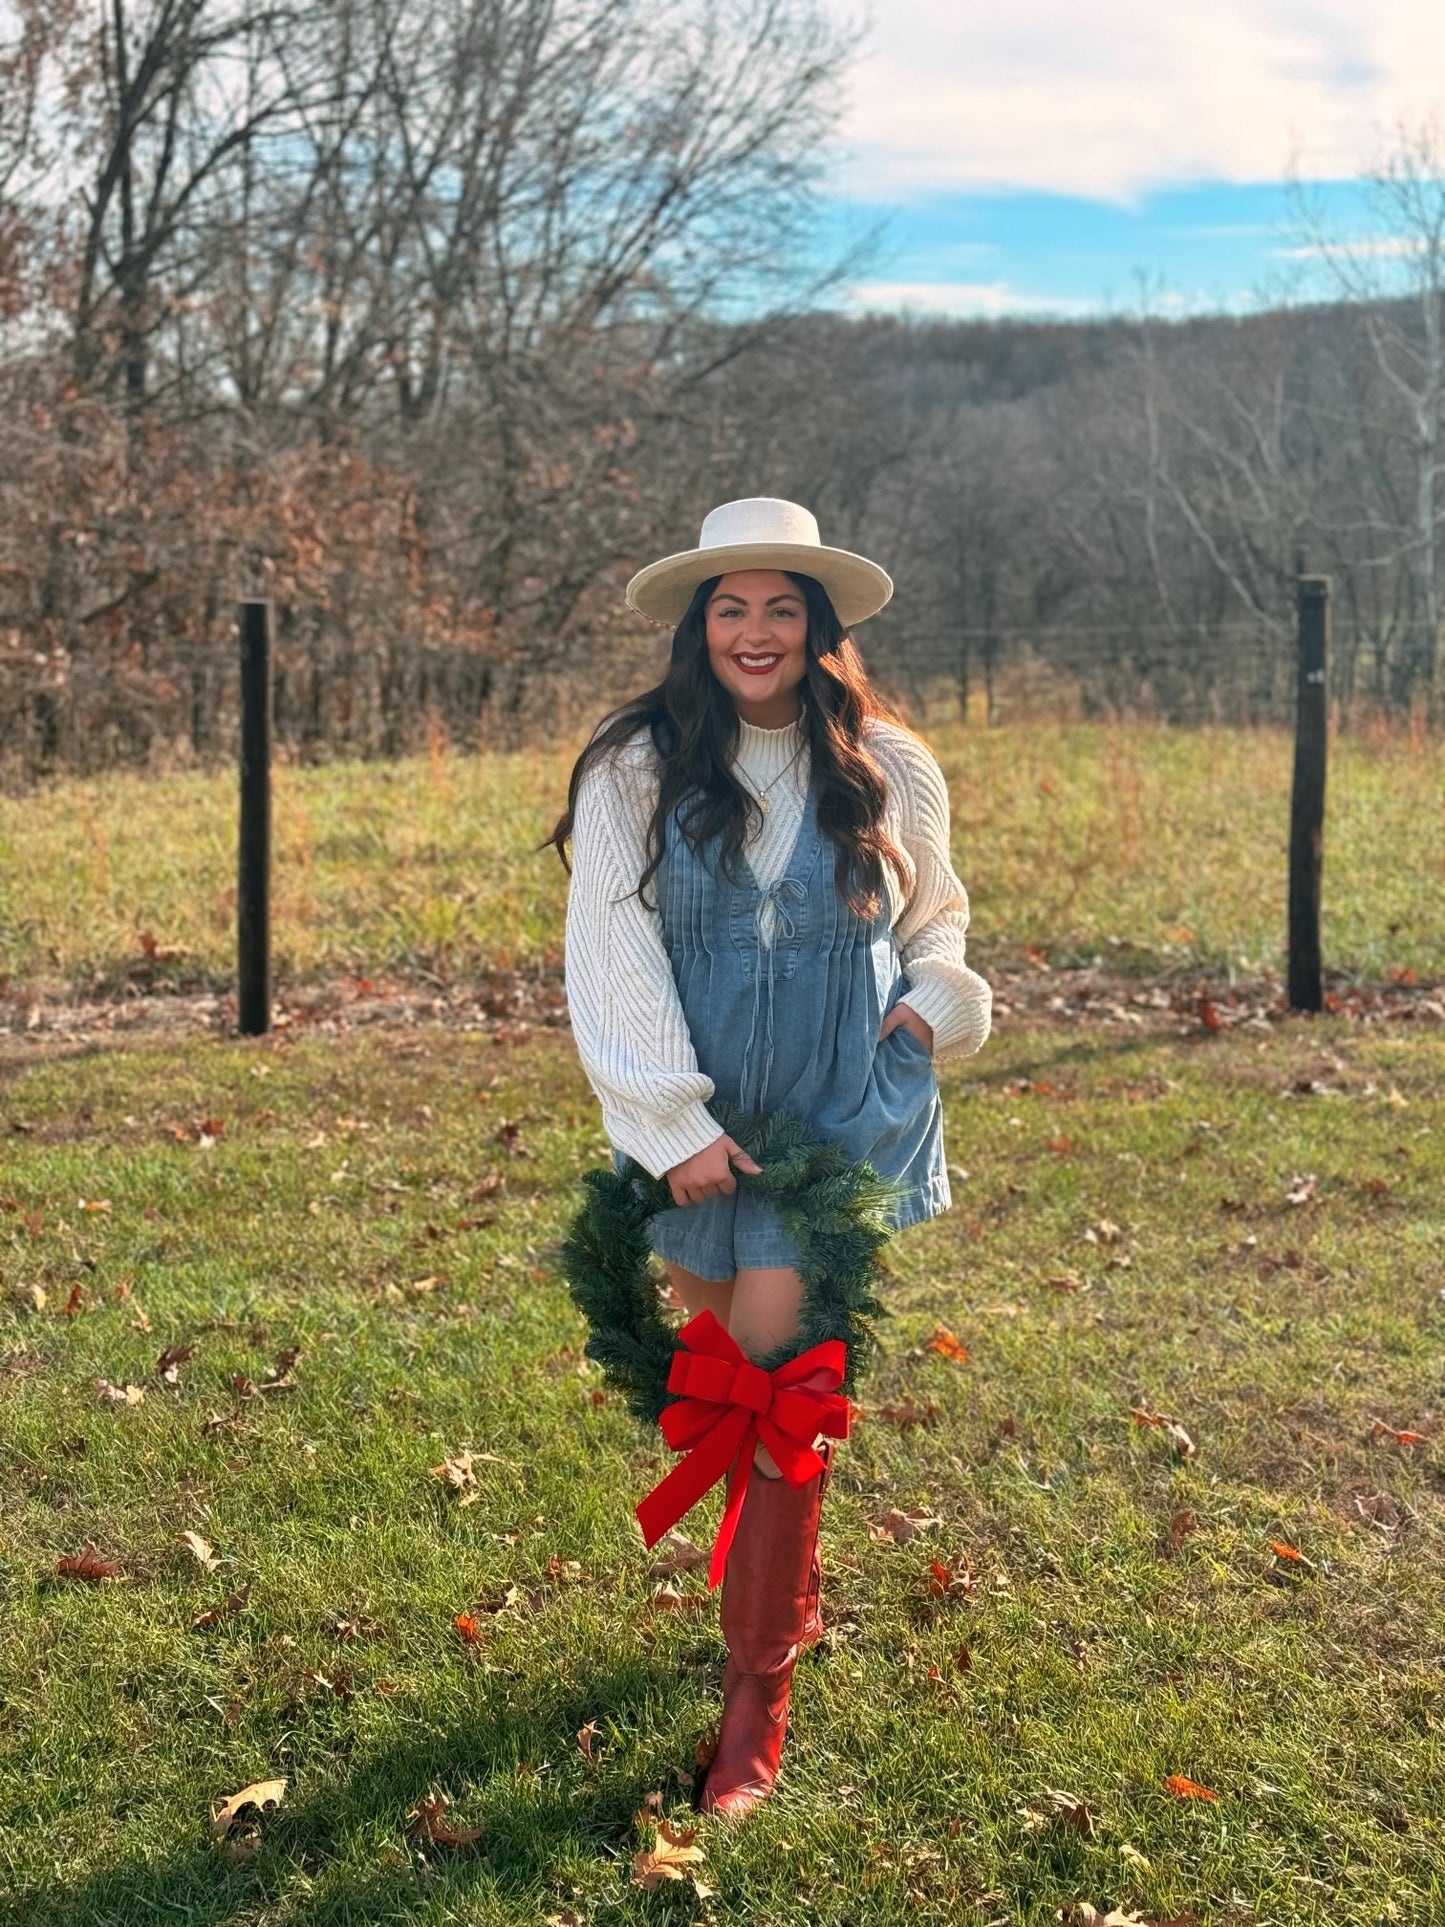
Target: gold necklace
{"x": 762, "y": 794}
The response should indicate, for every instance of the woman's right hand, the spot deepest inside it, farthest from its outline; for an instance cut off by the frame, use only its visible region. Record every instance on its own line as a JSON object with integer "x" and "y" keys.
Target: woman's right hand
{"x": 710, "y": 1171}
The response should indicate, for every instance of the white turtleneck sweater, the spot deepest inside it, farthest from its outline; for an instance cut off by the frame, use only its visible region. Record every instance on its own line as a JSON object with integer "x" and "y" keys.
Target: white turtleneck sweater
{"x": 626, "y": 1015}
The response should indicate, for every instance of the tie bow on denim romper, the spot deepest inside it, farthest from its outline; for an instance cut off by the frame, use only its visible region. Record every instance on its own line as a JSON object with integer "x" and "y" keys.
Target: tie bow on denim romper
{"x": 783, "y": 990}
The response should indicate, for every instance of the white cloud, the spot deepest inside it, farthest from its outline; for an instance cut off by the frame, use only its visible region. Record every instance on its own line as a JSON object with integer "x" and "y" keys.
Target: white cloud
{"x": 1112, "y": 98}
{"x": 1353, "y": 248}
{"x": 955, "y": 298}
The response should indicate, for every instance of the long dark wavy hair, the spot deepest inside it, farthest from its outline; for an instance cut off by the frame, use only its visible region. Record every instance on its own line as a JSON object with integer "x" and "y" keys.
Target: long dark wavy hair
{"x": 694, "y": 729}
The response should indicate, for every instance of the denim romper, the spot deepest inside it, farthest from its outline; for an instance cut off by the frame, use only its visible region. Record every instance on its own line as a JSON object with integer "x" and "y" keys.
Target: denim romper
{"x": 792, "y": 1023}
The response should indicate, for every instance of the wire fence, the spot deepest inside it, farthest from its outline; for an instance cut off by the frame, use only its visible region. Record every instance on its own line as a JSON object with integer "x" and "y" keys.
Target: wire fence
{"x": 180, "y": 706}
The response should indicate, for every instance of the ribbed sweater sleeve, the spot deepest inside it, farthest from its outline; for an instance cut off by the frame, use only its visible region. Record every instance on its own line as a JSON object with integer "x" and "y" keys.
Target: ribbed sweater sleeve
{"x": 626, "y": 1015}
{"x": 931, "y": 933}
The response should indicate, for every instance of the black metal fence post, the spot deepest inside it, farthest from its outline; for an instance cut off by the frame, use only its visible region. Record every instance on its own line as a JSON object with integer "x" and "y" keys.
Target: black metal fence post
{"x": 1307, "y": 799}
{"x": 253, "y": 875}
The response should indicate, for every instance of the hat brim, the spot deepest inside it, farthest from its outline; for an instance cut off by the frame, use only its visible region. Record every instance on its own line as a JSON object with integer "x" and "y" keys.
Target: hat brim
{"x": 856, "y": 587}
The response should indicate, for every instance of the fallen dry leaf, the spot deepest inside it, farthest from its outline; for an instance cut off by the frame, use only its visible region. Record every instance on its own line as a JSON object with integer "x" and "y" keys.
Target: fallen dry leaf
{"x": 89, "y": 1564}
{"x": 1078, "y": 1913}
{"x": 668, "y": 1599}
{"x": 1103, "y": 1232}
{"x": 947, "y": 1345}
{"x": 898, "y": 1528}
{"x": 585, "y": 1736}
{"x": 264, "y": 1795}
{"x": 469, "y": 1627}
{"x": 1380, "y": 1430}
{"x": 1180, "y": 1526}
{"x": 1170, "y": 1427}
{"x": 169, "y": 1364}
{"x": 1186, "y": 1789}
{"x": 201, "y": 1550}
{"x": 670, "y": 1857}
{"x": 951, "y": 1581}
{"x": 118, "y": 1394}
{"x": 906, "y": 1412}
{"x": 233, "y": 1603}
{"x": 1303, "y": 1190}
{"x": 1282, "y": 1551}
{"x": 676, "y": 1553}
{"x": 427, "y": 1821}
{"x": 1179, "y": 1438}
{"x": 1073, "y": 1811}
{"x": 457, "y": 1474}
{"x": 340, "y": 1683}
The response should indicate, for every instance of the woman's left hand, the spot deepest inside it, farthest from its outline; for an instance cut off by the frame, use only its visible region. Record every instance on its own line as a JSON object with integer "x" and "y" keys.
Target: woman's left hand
{"x": 910, "y": 1019}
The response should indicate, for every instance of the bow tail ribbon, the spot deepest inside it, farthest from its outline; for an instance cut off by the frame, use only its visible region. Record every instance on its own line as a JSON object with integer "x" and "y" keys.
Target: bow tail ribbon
{"x": 728, "y": 1406}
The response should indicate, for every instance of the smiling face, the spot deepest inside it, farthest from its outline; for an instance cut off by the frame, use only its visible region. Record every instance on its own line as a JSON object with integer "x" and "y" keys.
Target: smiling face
{"x": 757, "y": 634}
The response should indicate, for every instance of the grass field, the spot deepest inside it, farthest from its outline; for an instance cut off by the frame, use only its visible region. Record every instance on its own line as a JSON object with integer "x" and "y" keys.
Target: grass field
{"x": 1159, "y": 850}
{"x": 347, "y": 1208}
{"x": 1239, "y": 1231}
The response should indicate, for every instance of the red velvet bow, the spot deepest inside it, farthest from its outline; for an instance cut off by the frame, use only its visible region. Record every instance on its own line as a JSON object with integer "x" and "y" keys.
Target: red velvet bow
{"x": 727, "y": 1405}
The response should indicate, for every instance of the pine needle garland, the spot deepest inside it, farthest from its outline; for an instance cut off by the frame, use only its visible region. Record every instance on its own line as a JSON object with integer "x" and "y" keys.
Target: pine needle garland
{"x": 836, "y": 1210}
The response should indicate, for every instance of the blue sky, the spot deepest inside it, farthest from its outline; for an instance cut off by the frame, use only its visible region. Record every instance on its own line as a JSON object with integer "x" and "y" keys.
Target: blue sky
{"x": 1040, "y": 156}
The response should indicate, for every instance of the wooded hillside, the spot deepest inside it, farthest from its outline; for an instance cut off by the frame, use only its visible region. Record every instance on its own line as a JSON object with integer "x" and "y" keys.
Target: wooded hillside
{"x": 432, "y": 319}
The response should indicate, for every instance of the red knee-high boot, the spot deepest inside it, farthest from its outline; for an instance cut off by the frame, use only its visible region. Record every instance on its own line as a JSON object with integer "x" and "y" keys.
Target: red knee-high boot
{"x": 765, "y": 1601}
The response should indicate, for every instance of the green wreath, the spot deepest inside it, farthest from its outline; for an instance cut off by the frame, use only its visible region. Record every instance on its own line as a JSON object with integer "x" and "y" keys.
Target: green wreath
{"x": 836, "y": 1210}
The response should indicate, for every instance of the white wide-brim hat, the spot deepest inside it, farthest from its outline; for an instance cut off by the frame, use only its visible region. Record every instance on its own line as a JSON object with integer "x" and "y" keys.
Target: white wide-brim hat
{"x": 760, "y": 532}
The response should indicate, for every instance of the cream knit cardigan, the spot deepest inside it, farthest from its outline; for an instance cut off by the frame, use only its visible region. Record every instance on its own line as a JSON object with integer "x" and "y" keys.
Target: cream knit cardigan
{"x": 631, "y": 1034}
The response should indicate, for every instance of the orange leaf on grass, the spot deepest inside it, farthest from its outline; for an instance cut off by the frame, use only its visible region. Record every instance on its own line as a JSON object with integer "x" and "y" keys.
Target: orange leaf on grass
{"x": 469, "y": 1626}
{"x": 671, "y": 1857}
{"x": 89, "y": 1564}
{"x": 947, "y": 1345}
{"x": 1282, "y": 1551}
{"x": 1381, "y": 1430}
{"x": 1184, "y": 1788}
{"x": 1073, "y": 1811}
{"x": 1181, "y": 1525}
{"x": 427, "y": 1821}
{"x": 950, "y": 1581}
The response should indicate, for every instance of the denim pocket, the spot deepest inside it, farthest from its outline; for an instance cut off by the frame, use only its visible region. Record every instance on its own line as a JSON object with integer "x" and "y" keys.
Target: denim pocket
{"x": 916, "y": 1043}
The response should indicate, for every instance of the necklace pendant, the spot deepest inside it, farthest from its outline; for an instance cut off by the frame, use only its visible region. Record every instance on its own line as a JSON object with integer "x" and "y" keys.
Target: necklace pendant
{"x": 763, "y": 804}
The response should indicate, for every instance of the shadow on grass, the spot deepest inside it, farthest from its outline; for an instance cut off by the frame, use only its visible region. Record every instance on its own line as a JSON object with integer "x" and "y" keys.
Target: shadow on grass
{"x": 358, "y": 1818}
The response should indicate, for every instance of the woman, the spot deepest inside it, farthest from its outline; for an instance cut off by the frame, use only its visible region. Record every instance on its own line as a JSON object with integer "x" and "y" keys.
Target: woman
{"x": 763, "y": 911}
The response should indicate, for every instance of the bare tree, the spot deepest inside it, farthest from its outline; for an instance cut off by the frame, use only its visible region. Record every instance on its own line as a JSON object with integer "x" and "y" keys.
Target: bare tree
{"x": 1395, "y": 273}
